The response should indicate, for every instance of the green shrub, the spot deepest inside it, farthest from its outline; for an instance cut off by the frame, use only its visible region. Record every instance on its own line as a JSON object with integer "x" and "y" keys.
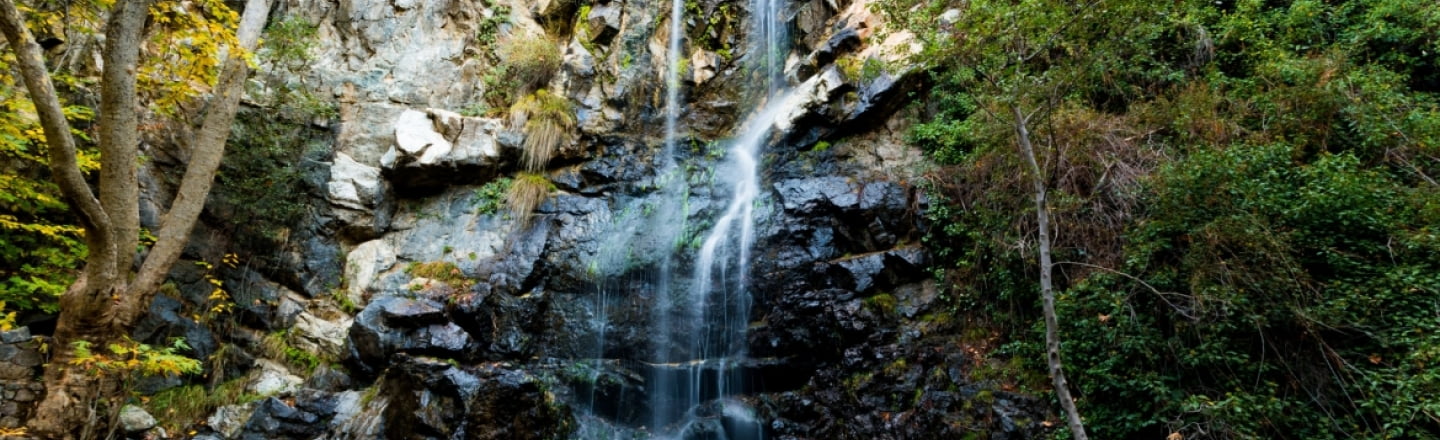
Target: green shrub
{"x": 491, "y": 196}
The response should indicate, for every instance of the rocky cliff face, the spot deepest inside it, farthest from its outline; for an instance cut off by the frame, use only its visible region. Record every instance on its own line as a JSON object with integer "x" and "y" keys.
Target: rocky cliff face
{"x": 470, "y": 322}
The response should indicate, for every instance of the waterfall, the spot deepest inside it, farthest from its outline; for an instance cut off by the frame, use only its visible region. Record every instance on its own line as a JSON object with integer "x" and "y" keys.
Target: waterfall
{"x": 696, "y": 282}
{"x": 693, "y": 385}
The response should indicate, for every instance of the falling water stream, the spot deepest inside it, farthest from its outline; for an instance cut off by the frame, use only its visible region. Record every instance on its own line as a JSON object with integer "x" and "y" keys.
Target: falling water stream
{"x": 692, "y": 395}
{"x": 701, "y": 304}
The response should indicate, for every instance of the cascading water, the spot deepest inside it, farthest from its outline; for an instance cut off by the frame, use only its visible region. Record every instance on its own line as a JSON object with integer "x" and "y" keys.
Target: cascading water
{"x": 695, "y": 369}
{"x": 692, "y": 385}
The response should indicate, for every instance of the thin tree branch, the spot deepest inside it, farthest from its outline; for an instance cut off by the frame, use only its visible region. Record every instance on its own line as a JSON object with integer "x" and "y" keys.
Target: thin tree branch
{"x": 208, "y": 148}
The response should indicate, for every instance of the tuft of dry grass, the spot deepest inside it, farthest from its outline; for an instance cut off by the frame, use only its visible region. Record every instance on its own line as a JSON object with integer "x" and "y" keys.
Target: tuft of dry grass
{"x": 547, "y": 121}
{"x": 530, "y": 61}
{"x": 527, "y": 193}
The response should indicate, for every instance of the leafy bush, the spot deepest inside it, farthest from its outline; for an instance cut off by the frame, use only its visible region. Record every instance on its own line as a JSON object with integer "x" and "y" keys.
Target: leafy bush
{"x": 491, "y": 196}
{"x": 1280, "y": 297}
{"x": 41, "y": 242}
{"x": 1266, "y": 174}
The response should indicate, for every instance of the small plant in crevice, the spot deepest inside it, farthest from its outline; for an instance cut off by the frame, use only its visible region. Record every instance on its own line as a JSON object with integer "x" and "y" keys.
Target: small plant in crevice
{"x": 440, "y": 271}
{"x": 488, "y": 28}
{"x": 490, "y": 198}
{"x": 277, "y": 346}
{"x": 527, "y": 193}
{"x": 547, "y": 120}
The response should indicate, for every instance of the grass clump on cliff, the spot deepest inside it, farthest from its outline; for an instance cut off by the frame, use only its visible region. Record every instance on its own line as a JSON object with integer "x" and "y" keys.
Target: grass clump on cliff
{"x": 547, "y": 121}
{"x": 527, "y": 192}
{"x": 524, "y": 64}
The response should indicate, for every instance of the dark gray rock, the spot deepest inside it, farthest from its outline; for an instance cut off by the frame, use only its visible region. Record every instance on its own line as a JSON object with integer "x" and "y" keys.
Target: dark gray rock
{"x": 273, "y": 419}
{"x": 16, "y": 336}
{"x": 430, "y": 398}
{"x": 604, "y": 22}
{"x": 391, "y": 325}
{"x": 168, "y": 319}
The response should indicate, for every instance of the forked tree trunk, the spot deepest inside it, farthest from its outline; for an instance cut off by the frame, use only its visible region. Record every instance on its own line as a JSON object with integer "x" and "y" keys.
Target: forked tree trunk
{"x": 106, "y": 302}
{"x": 1047, "y": 292}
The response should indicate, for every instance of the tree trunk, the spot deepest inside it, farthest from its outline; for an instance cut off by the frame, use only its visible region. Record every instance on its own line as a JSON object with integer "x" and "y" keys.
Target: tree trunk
{"x": 104, "y": 305}
{"x": 1052, "y": 332}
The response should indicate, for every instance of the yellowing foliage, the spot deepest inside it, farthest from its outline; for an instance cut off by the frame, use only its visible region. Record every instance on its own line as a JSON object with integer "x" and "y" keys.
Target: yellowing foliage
{"x": 185, "y": 51}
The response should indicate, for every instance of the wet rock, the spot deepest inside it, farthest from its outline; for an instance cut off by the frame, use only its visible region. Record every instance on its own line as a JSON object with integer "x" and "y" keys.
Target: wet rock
{"x": 306, "y": 418}
{"x": 391, "y": 325}
{"x": 168, "y": 320}
{"x": 409, "y": 313}
{"x": 812, "y": 195}
{"x": 134, "y": 419}
{"x": 880, "y": 270}
{"x": 511, "y": 404}
{"x": 430, "y": 398}
{"x": 846, "y": 40}
{"x": 258, "y": 304}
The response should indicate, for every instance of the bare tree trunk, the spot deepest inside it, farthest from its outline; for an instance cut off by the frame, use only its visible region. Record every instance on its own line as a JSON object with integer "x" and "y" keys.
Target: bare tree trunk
{"x": 1052, "y": 332}
{"x": 103, "y": 305}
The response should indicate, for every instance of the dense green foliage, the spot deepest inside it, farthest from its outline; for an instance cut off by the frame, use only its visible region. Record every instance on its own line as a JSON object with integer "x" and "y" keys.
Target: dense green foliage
{"x": 1247, "y": 217}
{"x": 41, "y": 243}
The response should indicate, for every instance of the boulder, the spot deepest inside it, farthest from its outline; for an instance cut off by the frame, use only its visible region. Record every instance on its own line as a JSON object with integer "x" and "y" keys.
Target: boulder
{"x": 358, "y": 199}
{"x": 392, "y": 325}
{"x": 315, "y": 335}
{"x": 16, "y": 336}
{"x": 228, "y": 420}
{"x": 134, "y": 419}
{"x": 704, "y": 65}
{"x": 307, "y": 417}
{"x": 363, "y": 264}
{"x": 270, "y": 379}
{"x": 436, "y": 148}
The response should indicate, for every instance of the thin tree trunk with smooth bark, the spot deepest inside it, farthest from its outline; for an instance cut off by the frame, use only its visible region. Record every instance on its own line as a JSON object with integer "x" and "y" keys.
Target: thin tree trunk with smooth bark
{"x": 118, "y": 133}
{"x": 1047, "y": 292}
